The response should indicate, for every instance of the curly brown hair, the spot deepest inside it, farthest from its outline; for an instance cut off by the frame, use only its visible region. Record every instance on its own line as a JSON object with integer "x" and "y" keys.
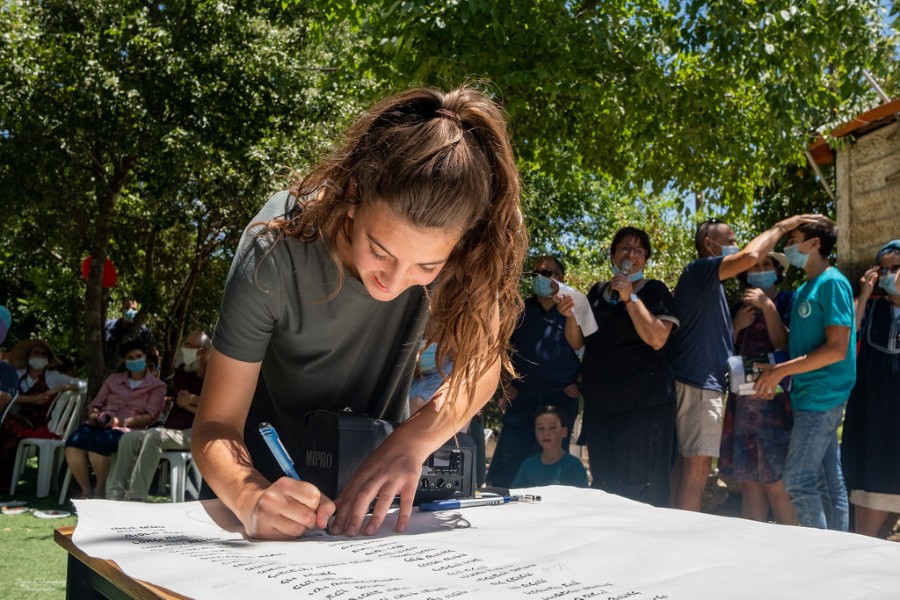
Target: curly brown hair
{"x": 442, "y": 160}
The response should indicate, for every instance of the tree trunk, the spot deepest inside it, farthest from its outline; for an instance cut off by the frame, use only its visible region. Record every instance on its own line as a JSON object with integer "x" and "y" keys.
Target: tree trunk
{"x": 207, "y": 243}
{"x": 94, "y": 297}
{"x": 180, "y": 314}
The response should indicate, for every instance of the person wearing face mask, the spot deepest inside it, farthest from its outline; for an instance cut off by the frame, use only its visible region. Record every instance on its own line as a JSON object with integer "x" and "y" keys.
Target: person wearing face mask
{"x": 38, "y": 382}
{"x": 701, "y": 347}
{"x": 130, "y": 400}
{"x": 124, "y": 329}
{"x": 629, "y": 390}
{"x": 756, "y": 432}
{"x": 545, "y": 345}
{"x": 428, "y": 378}
{"x": 140, "y": 450}
{"x": 870, "y": 445}
{"x": 426, "y": 381}
{"x": 823, "y": 365}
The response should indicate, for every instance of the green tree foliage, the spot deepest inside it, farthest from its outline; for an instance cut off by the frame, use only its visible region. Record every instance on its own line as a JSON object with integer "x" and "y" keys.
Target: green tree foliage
{"x": 575, "y": 219}
{"x": 149, "y": 133}
{"x": 696, "y": 95}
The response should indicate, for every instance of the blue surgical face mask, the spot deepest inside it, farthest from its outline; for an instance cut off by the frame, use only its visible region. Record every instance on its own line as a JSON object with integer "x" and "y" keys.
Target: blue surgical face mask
{"x": 137, "y": 365}
{"x": 130, "y": 314}
{"x": 632, "y": 277}
{"x": 762, "y": 279}
{"x": 426, "y": 359}
{"x": 889, "y": 284}
{"x": 542, "y": 286}
{"x": 726, "y": 250}
{"x": 795, "y": 257}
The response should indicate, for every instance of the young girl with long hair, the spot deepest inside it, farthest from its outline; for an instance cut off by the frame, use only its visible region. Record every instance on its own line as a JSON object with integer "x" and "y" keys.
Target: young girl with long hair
{"x": 415, "y": 217}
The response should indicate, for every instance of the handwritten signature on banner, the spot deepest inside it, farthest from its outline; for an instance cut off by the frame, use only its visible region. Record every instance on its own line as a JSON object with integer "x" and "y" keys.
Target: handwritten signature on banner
{"x": 471, "y": 576}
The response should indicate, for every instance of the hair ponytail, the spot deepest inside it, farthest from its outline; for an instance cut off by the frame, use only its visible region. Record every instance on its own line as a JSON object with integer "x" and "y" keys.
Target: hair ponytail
{"x": 443, "y": 161}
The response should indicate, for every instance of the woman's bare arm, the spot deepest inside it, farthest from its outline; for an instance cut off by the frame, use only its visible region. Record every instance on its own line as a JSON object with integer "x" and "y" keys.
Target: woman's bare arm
{"x": 281, "y": 510}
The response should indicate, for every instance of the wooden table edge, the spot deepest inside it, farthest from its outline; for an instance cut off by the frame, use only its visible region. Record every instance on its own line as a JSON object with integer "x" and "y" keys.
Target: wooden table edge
{"x": 135, "y": 588}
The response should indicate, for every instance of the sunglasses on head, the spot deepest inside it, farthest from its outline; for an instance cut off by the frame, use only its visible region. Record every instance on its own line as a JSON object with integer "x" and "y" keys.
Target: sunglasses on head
{"x": 545, "y": 272}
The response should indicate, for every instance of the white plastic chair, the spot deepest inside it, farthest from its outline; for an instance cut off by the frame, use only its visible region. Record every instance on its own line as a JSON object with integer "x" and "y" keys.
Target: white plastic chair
{"x": 65, "y": 415}
{"x": 67, "y": 479}
{"x": 184, "y": 476}
{"x": 8, "y": 407}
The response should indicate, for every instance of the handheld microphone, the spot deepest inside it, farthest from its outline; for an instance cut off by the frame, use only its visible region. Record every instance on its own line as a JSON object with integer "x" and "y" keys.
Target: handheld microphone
{"x": 625, "y": 270}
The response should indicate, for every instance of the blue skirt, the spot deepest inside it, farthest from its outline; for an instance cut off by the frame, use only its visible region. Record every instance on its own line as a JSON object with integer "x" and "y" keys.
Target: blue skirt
{"x": 95, "y": 439}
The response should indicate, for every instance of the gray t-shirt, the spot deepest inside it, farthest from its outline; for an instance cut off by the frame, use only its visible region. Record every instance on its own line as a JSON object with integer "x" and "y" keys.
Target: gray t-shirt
{"x": 351, "y": 351}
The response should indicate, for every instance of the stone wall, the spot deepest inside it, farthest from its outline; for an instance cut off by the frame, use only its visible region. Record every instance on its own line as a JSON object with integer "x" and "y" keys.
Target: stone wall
{"x": 868, "y": 198}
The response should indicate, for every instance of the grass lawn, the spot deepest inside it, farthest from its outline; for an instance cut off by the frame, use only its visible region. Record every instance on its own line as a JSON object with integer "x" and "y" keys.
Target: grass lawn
{"x": 32, "y": 566}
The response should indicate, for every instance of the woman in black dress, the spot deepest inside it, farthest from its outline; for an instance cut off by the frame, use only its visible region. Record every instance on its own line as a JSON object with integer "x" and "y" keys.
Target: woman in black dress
{"x": 628, "y": 387}
{"x": 871, "y": 440}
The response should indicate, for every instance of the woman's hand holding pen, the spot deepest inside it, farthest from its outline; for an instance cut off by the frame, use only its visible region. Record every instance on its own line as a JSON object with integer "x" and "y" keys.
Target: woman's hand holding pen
{"x": 286, "y": 509}
{"x": 276, "y": 511}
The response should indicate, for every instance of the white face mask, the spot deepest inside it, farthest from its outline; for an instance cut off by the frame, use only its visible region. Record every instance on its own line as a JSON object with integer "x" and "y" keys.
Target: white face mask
{"x": 189, "y": 354}
{"x": 38, "y": 363}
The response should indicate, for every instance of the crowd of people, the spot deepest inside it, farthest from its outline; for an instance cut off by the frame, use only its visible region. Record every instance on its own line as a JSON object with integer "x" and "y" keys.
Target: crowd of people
{"x": 658, "y": 403}
{"x": 127, "y": 425}
{"x": 403, "y": 251}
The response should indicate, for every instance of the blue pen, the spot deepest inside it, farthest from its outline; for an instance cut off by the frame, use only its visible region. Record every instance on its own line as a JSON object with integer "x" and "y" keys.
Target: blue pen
{"x": 470, "y": 502}
{"x": 278, "y": 450}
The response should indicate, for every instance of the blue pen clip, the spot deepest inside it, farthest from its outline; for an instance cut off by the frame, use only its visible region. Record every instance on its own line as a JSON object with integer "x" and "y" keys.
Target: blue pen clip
{"x": 278, "y": 450}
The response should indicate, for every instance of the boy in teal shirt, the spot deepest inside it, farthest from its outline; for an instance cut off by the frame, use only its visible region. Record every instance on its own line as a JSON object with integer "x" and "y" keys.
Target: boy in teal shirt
{"x": 553, "y": 466}
{"x": 823, "y": 363}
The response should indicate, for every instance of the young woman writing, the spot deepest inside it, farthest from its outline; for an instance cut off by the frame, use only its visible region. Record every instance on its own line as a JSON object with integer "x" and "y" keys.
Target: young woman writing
{"x": 415, "y": 217}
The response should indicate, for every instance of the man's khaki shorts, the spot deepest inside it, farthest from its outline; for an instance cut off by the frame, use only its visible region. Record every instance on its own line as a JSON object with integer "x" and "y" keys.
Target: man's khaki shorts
{"x": 698, "y": 420}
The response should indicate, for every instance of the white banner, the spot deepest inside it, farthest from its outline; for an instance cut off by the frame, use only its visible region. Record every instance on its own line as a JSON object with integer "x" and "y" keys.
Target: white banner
{"x": 574, "y": 544}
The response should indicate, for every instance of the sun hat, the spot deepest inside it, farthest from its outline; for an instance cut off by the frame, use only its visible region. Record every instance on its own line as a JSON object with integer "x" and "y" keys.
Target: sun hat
{"x": 781, "y": 259}
{"x": 18, "y": 356}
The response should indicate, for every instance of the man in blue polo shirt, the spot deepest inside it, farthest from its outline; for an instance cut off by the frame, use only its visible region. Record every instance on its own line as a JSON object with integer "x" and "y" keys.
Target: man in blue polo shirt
{"x": 544, "y": 355}
{"x": 702, "y": 345}
{"x": 823, "y": 363}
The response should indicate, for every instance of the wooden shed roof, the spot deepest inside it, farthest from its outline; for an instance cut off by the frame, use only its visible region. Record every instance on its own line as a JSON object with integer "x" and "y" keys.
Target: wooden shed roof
{"x": 868, "y": 121}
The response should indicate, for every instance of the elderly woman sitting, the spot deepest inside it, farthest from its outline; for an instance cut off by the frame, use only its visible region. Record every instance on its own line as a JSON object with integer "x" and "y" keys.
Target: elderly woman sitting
{"x": 38, "y": 383}
{"x": 130, "y": 400}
